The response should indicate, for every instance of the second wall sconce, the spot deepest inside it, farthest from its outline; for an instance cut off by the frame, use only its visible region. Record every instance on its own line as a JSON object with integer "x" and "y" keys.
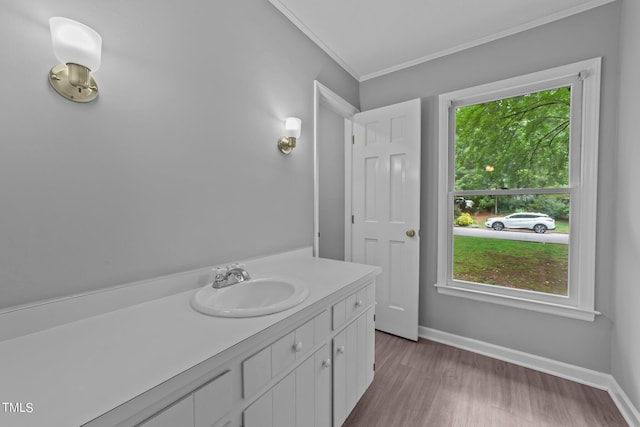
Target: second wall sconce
{"x": 292, "y": 127}
{"x": 79, "y": 49}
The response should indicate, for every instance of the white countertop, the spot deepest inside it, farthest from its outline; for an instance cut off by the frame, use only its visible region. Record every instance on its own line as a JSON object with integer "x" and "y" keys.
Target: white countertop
{"x": 75, "y": 372}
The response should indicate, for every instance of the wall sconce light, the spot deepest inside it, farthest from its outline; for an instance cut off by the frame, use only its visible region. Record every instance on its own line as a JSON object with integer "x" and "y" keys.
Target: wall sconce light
{"x": 292, "y": 127}
{"x": 78, "y": 48}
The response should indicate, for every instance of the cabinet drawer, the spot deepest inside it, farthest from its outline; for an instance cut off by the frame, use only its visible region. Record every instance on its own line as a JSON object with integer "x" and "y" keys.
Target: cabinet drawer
{"x": 371, "y": 294}
{"x": 350, "y": 307}
{"x": 213, "y": 400}
{"x": 304, "y": 339}
{"x": 322, "y": 327}
{"x": 256, "y": 372}
{"x": 283, "y": 354}
{"x": 339, "y": 312}
{"x": 295, "y": 345}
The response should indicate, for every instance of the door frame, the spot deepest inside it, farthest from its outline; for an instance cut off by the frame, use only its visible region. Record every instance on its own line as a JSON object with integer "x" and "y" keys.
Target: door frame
{"x": 322, "y": 95}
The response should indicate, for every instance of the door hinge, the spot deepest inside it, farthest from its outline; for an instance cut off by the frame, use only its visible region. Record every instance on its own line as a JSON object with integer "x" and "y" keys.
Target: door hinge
{"x": 353, "y": 139}
{"x": 374, "y": 367}
{"x": 353, "y": 219}
{"x": 374, "y": 317}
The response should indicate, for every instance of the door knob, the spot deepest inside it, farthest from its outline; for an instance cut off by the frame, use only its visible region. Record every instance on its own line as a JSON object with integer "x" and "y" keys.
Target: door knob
{"x": 411, "y": 233}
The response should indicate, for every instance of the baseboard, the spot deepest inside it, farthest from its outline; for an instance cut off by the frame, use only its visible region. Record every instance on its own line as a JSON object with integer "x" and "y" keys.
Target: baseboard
{"x": 578, "y": 374}
{"x": 620, "y": 398}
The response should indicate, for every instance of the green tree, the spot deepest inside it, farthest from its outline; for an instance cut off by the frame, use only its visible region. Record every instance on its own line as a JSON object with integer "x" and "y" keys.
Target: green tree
{"x": 518, "y": 142}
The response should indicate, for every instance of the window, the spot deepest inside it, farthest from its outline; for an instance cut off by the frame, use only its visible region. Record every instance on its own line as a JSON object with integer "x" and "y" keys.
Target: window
{"x": 517, "y": 193}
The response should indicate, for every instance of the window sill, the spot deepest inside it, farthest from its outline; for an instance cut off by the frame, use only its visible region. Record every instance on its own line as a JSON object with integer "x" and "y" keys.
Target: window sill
{"x": 526, "y": 304}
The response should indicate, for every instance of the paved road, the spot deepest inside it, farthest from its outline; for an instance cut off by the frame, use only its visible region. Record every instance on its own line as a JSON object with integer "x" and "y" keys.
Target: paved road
{"x": 525, "y": 235}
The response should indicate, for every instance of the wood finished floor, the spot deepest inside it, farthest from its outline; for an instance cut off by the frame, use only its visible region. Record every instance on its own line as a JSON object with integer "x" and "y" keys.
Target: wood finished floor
{"x": 435, "y": 385}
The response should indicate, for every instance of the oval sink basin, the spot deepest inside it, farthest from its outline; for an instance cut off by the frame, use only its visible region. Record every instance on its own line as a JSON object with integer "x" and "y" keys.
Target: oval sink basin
{"x": 255, "y": 297}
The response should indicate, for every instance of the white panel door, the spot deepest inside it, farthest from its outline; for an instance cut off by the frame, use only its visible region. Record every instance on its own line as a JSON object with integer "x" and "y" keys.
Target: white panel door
{"x": 386, "y": 210}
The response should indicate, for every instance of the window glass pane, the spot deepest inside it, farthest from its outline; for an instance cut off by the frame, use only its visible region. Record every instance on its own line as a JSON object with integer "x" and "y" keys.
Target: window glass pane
{"x": 509, "y": 249}
{"x": 519, "y": 142}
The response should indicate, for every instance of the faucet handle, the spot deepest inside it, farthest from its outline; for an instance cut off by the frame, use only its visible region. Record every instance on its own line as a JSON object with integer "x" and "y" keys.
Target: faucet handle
{"x": 220, "y": 274}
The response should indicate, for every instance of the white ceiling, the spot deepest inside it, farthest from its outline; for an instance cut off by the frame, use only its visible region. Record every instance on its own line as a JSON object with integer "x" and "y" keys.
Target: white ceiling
{"x": 370, "y": 38}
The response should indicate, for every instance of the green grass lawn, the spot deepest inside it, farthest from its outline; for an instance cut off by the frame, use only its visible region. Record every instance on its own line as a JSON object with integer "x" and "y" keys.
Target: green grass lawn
{"x": 562, "y": 226}
{"x": 541, "y": 267}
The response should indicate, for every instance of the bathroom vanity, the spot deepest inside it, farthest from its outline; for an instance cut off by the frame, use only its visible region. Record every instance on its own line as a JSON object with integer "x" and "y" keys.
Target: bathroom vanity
{"x": 161, "y": 363}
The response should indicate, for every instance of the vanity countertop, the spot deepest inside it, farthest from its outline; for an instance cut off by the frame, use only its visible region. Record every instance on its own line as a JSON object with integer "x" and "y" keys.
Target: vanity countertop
{"x": 70, "y": 374}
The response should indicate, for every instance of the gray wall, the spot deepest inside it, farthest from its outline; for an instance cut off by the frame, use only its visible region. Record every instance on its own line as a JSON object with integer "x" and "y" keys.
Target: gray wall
{"x": 331, "y": 184}
{"x": 590, "y": 34}
{"x": 175, "y": 165}
{"x": 626, "y": 333}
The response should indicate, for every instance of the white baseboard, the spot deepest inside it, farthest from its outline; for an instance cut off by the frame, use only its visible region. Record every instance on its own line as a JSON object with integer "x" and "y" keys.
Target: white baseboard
{"x": 575, "y": 373}
{"x": 620, "y": 398}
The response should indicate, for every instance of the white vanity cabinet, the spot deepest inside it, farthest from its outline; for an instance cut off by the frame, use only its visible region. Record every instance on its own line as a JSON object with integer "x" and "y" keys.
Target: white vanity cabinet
{"x": 307, "y": 371}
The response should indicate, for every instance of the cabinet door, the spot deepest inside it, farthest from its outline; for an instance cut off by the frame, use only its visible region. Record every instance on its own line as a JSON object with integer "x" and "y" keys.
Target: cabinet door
{"x": 284, "y": 396}
{"x": 322, "y": 367}
{"x": 339, "y": 378}
{"x": 353, "y": 358}
{"x": 352, "y": 363}
{"x": 178, "y": 414}
{"x": 260, "y": 413}
{"x": 305, "y": 399}
{"x": 301, "y": 399}
{"x": 313, "y": 390}
{"x": 371, "y": 345}
{"x": 366, "y": 350}
{"x": 213, "y": 400}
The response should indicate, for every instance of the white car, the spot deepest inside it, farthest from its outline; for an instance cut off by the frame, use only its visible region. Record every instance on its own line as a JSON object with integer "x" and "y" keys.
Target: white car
{"x": 537, "y": 222}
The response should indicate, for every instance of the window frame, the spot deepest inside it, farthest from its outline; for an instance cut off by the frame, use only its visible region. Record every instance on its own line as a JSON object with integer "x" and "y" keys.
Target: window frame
{"x": 583, "y": 181}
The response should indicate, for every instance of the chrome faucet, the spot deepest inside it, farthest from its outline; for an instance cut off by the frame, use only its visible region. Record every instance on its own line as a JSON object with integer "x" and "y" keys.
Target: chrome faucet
{"x": 230, "y": 275}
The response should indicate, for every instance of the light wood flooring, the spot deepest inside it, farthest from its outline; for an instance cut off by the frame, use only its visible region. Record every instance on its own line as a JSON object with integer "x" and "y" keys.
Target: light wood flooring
{"x": 432, "y": 384}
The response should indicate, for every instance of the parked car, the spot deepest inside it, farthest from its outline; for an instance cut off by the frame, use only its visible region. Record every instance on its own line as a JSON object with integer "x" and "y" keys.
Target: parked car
{"x": 537, "y": 222}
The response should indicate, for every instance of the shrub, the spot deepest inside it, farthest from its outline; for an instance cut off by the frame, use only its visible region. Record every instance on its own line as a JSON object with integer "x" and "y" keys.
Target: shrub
{"x": 464, "y": 220}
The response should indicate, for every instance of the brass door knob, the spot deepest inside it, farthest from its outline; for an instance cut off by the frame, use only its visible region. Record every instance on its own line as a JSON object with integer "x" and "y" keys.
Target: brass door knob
{"x": 411, "y": 233}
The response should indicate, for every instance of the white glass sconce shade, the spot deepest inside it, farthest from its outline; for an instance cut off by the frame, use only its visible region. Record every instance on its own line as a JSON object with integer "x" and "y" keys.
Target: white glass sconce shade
{"x": 292, "y": 127}
{"x": 79, "y": 49}
{"x": 76, "y": 43}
